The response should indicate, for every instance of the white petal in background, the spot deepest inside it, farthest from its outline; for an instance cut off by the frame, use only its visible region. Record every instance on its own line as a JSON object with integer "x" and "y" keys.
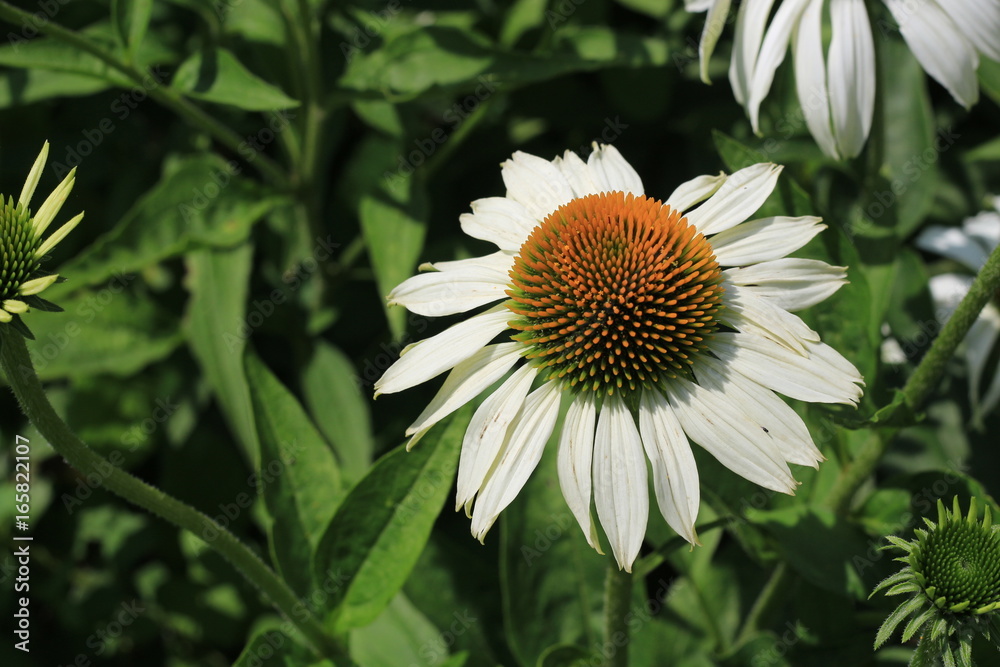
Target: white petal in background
{"x": 675, "y": 473}
{"x": 522, "y": 450}
{"x": 487, "y": 432}
{"x": 851, "y": 75}
{"x": 979, "y": 21}
{"x": 465, "y": 381}
{"x": 736, "y": 199}
{"x": 620, "y": 491}
{"x": 751, "y": 22}
{"x": 939, "y": 46}
{"x": 979, "y": 344}
{"x": 790, "y": 283}
{"x": 953, "y": 244}
{"x": 432, "y": 356}
{"x": 575, "y": 462}
{"x": 772, "y": 53}
{"x": 810, "y": 76}
{"x": 715, "y": 23}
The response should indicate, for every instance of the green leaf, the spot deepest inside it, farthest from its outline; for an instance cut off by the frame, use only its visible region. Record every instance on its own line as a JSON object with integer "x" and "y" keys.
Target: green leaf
{"x": 200, "y": 202}
{"x": 734, "y": 154}
{"x": 112, "y": 330}
{"x": 23, "y": 87}
{"x": 543, "y": 550}
{"x": 271, "y": 647}
{"x": 218, "y": 281}
{"x": 401, "y": 635}
{"x": 216, "y": 75}
{"x": 300, "y": 479}
{"x": 329, "y": 383}
{"x": 377, "y": 534}
{"x": 989, "y": 77}
{"x": 564, "y": 655}
{"x": 819, "y": 545}
{"x": 131, "y": 19}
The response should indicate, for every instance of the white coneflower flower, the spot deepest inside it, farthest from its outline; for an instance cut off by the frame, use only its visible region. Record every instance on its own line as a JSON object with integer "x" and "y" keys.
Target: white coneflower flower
{"x": 971, "y": 246}
{"x": 836, "y": 86}
{"x": 22, "y": 246}
{"x": 617, "y": 303}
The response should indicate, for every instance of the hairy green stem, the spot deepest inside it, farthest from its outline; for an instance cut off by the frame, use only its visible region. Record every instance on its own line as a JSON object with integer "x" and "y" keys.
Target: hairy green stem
{"x": 27, "y": 388}
{"x": 617, "y": 599}
{"x": 161, "y": 93}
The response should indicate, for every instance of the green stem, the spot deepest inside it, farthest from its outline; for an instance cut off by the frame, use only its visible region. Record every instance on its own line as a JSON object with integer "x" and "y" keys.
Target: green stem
{"x": 21, "y": 375}
{"x": 617, "y": 599}
{"x": 165, "y": 95}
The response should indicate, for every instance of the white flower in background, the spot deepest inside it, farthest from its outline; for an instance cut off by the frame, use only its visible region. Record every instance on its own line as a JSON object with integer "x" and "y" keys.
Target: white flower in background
{"x": 617, "y": 304}
{"x": 970, "y": 246}
{"x": 836, "y": 88}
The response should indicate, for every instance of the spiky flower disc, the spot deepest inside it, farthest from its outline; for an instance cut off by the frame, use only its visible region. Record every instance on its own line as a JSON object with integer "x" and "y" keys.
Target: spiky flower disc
{"x": 22, "y": 247}
{"x": 953, "y": 572}
{"x": 614, "y": 292}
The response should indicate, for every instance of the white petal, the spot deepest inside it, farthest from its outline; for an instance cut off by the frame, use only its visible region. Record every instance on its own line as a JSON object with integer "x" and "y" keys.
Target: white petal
{"x": 620, "y": 491}
{"x": 984, "y": 228}
{"x": 465, "y": 381}
{"x": 577, "y": 173}
{"x": 432, "y": 356}
{"x": 769, "y": 413}
{"x": 790, "y": 283}
{"x": 521, "y": 452}
{"x": 750, "y": 23}
{"x": 821, "y": 375}
{"x": 694, "y": 191}
{"x": 576, "y": 455}
{"x": 939, "y": 47}
{"x": 717, "y": 423}
{"x": 736, "y": 200}
{"x": 611, "y": 172}
{"x": 749, "y": 313}
{"x": 978, "y": 345}
{"x": 947, "y": 291}
{"x": 487, "y": 432}
{"x": 772, "y": 53}
{"x": 456, "y": 290}
{"x": 698, "y": 5}
{"x": 810, "y": 76}
{"x": 852, "y": 75}
{"x": 764, "y": 239}
{"x": 979, "y": 21}
{"x": 499, "y": 220}
{"x": 715, "y": 23}
{"x": 990, "y": 320}
{"x": 675, "y": 473}
{"x": 953, "y": 244}
{"x": 536, "y": 184}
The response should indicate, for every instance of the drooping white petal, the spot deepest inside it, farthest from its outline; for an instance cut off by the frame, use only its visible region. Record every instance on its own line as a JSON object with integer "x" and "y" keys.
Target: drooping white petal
{"x": 577, "y": 174}
{"x": 749, "y": 313}
{"x": 499, "y": 220}
{"x": 716, "y": 422}
{"x": 465, "y": 381}
{"x": 694, "y": 191}
{"x": 953, "y": 244}
{"x": 575, "y": 460}
{"x": 620, "y": 491}
{"x": 487, "y": 432}
{"x": 772, "y": 53}
{"x": 790, "y": 283}
{"x": 810, "y": 76}
{"x": 522, "y": 450}
{"x": 715, "y": 23}
{"x": 764, "y": 239}
{"x": 821, "y": 375}
{"x": 979, "y": 21}
{"x": 750, "y": 23}
{"x": 432, "y": 356}
{"x": 767, "y": 411}
{"x": 939, "y": 47}
{"x": 675, "y": 473}
{"x": 454, "y": 291}
{"x": 611, "y": 172}
{"x": 31, "y": 182}
{"x": 852, "y": 75}
{"x": 536, "y": 184}
{"x": 737, "y": 199}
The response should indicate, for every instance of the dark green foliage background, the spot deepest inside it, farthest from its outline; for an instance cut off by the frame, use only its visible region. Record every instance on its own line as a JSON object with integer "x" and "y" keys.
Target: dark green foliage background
{"x": 211, "y": 332}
